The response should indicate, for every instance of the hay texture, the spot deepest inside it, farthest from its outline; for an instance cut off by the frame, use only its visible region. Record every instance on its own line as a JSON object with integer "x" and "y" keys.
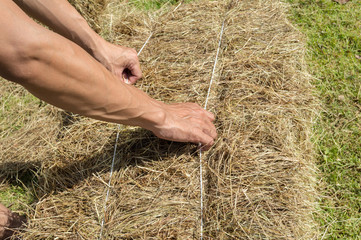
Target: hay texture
{"x": 258, "y": 177}
{"x": 91, "y": 10}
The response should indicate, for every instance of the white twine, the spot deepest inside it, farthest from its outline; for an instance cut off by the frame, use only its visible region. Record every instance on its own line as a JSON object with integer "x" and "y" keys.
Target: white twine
{"x": 205, "y": 107}
{"x": 145, "y": 44}
{"x": 114, "y": 154}
{"x": 200, "y": 152}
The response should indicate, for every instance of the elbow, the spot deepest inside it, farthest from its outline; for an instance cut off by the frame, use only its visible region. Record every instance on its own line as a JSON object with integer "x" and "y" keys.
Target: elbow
{"x": 18, "y": 62}
{"x": 27, "y": 57}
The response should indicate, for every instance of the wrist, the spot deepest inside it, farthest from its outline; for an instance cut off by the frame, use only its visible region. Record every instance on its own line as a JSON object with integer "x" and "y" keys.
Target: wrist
{"x": 86, "y": 38}
{"x": 154, "y": 117}
{"x": 99, "y": 50}
{"x": 138, "y": 109}
{"x": 95, "y": 46}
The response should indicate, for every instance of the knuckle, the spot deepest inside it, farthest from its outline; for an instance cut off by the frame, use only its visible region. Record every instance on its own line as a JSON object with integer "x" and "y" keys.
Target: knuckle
{"x": 132, "y": 53}
{"x": 194, "y": 105}
{"x": 199, "y": 121}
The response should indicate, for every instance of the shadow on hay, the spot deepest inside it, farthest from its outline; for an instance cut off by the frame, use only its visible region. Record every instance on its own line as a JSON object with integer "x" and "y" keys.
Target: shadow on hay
{"x": 25, "y": 176}
{"x": 135, "y": 148}
{"x": 79, "y": 153}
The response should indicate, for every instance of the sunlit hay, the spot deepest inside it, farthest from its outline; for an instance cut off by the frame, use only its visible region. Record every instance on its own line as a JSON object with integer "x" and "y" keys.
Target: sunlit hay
{"x": 37, "y": 136}
{"x": 261, "y": 179}
{"x": 91, "y": 10}
{"x": 259, "y": 176}
{"x": 84, "y": 148}
{"x": 29, "y": 134}
{"x": 28, "y": 127}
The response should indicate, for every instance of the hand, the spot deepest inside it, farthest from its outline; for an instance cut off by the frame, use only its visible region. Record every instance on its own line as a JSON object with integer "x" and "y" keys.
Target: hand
{"x": 121, "y": 61}
{"x": 9, "y": 222}
{"x": 187, "y": 122}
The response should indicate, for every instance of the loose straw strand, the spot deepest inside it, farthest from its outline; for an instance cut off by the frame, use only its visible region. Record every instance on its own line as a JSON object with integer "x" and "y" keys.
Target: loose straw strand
{"x": 205, "y": 107}
{"x": 114, "y": 155}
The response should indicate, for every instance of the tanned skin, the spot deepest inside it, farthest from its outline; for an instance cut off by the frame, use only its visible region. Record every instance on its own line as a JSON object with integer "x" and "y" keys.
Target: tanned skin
{"x": 74, "y": 69}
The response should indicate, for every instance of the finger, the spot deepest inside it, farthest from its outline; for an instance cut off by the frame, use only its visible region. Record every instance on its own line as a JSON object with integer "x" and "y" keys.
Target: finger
{"x": 205, "y": 140}
{"x": 211, "y": 131}
{"x": 134, "y": 71}
{"x": 128, "y": 77}
{"x": 125, "y": 76}
{"x": 204, "y": 114}
{"x": 195, "y": 106}
{"x": 210, "y": 116}
{"x": 134, "y": 78}
{"x": 206, "y": 125}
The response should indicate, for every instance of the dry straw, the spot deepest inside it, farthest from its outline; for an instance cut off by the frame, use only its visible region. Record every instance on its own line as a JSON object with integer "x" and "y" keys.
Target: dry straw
{"x": 115, "y": 150}
{"x": 259, "y": 176}
{"x": 205, "y": 107}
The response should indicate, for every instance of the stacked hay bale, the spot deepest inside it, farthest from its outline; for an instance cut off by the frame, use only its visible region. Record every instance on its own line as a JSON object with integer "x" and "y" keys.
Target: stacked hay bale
{"x": 258, "y": 176}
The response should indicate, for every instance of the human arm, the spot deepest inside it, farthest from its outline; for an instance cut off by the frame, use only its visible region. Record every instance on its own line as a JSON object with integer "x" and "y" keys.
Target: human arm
{"x": 60, "y": 16}
{"x": 9, "y": 222}
{"x": 63, "y": 74}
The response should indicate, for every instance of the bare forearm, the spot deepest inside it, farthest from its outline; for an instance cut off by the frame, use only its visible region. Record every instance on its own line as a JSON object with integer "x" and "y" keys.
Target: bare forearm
{"x": 76, "y": 82}
{"x": 60, "y": 16}
{"x": 63, "y": 74}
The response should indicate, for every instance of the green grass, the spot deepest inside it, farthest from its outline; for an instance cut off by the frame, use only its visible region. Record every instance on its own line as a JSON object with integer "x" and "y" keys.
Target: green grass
{"x": 18, "y": 193}
{"x": 334, "y": 46}
{"x": 16, "y": 197}
{"x": 153, "y": 4}
{"x": 15, "y": 108}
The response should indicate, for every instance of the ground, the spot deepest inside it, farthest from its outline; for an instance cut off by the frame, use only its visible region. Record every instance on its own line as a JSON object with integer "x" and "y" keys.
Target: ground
{"x": 334, "y": 49}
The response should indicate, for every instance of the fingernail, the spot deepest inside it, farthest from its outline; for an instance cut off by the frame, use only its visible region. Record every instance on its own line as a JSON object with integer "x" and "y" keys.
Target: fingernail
{"x": 127, "y": 81}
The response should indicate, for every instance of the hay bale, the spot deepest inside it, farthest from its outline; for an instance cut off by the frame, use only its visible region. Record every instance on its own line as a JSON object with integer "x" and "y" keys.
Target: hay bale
{"x": 259, "y": 176}
{"x": 27, "y": 127}
{"x": 91, "y": 10}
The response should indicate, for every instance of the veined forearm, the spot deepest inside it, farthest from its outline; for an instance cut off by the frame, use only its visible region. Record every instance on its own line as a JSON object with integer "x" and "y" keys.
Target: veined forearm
{"x": 61, "y": 17}
{"x": 80, "y": 84}
{"x": 63, "y": 74}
